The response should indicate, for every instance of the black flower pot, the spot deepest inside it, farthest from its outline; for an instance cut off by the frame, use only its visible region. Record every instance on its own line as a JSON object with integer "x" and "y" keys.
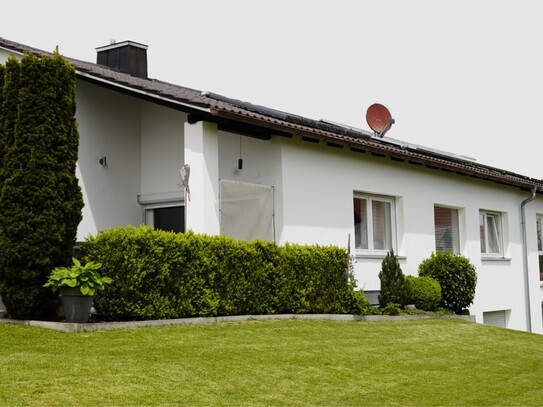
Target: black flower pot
{"x": 77, "y": 306}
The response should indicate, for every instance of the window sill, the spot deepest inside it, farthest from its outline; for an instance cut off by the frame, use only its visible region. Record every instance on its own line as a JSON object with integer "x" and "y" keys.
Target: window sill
{"x": 504, "y": 259}
{"x": 377, "y": 256}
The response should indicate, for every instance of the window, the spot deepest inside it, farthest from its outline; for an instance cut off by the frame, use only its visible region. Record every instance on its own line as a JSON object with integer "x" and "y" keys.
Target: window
{"x": 373, "y": 223}
{"x": 446, "y": 229}
{"x": 540, "y": 245}
{"x": 170, "y": 218}
{"x": 164, "y": 211}
{"x": 496, "y": 318}
{"x": 490, "y": 230}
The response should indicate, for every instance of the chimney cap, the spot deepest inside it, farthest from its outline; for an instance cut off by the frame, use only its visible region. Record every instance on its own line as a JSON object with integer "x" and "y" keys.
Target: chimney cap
{"x": 121, "y": 44}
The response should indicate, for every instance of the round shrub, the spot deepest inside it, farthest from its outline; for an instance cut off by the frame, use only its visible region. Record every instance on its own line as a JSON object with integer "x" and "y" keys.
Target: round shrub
{"x": 423, "y": 292}
{"x": 457, "y": 278}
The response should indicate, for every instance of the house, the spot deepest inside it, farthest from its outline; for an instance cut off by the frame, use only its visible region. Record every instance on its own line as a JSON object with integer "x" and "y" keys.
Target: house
{"x": 256, "y": 172}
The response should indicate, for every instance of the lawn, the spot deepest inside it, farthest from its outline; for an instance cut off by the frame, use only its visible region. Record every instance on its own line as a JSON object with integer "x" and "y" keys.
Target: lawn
{"x": 293, "y": 362}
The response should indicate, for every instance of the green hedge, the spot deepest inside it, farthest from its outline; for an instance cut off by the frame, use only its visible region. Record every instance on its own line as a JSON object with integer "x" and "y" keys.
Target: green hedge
{"x": 158, "y": 275}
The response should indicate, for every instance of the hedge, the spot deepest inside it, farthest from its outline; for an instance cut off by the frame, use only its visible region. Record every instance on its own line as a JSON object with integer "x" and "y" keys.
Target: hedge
{"x": 158, "y": 275}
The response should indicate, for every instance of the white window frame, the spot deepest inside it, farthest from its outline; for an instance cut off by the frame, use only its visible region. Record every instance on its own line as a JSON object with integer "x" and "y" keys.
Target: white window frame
{"x": 496, "y": 234}
{"x": 370, "y": 236}
{"x": 456, "y": 223}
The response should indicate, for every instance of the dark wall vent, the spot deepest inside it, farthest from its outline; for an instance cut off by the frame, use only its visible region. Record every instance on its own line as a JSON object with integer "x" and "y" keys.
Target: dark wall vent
{"x": 127, "y": 56}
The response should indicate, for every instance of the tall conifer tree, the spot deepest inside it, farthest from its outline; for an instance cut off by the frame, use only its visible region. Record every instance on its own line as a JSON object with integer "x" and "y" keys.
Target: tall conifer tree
{"x": 40, "y": 199}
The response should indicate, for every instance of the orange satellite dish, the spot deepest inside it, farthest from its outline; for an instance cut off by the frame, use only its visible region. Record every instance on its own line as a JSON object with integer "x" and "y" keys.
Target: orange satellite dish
{"x": 379, "y": 119}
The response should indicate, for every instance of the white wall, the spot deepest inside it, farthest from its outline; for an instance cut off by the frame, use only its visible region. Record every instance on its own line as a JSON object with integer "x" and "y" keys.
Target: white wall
{"x": 202, "y": 154}
{"x": 144, "y": 146}
{"x": 162, "y": 149}
{"x": 3, "y": 56}
{"x": 318, "y": 184}
{"x": 261, "y": 165}
{"x": 109, "y": 126}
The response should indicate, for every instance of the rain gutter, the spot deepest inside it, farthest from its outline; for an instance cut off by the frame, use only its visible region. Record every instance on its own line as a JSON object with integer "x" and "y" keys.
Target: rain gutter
{"x": 525, "y": 259}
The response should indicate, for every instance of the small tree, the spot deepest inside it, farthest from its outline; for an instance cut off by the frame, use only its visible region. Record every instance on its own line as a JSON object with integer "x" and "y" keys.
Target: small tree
{"x": 40, "y": 197}
{"x": 457, "y": 278}
{"x": 392, "y": 279}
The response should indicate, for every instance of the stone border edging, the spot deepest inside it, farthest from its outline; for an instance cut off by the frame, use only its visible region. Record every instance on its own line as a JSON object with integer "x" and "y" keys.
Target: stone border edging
{"x": 107, "y": 326}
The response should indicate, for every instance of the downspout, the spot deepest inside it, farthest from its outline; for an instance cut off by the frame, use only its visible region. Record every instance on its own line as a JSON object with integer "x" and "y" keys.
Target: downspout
{"x": 525, "y": 258}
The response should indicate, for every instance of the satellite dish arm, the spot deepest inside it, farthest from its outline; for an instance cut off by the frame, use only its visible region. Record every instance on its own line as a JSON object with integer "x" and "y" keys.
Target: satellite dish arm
{"x": 387, "y": 128}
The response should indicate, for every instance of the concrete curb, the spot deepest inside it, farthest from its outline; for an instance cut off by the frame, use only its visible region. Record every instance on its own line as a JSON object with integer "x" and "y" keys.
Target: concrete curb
{"x": 107, "y": 326}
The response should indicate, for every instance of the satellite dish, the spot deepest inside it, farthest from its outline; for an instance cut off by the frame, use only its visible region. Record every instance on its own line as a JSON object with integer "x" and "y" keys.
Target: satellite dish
{"x": 379, "y": 119}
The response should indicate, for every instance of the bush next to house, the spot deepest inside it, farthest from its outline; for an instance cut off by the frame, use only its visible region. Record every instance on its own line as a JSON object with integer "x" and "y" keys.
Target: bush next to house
{"x": 159, "y": 275}
{"x": 456, "y": 276}
{"x": 423, "y": 292}
{"x": 392, "y": 279}
{"x": 39, "y": 193}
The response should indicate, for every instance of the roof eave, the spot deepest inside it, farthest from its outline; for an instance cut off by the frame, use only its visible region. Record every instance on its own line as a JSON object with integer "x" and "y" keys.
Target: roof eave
{"x": 377, "y": 148}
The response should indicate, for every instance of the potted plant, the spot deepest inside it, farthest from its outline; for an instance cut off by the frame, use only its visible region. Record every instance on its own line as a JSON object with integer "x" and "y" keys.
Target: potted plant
{"x": 77, "y": 285}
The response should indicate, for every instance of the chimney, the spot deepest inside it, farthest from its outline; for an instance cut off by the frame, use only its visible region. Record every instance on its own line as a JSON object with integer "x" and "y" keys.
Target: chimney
{"x": 127, "y": 56}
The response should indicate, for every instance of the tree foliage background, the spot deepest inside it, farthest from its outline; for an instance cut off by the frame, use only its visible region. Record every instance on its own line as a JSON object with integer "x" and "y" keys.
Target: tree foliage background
{"x": 40, "y": 199}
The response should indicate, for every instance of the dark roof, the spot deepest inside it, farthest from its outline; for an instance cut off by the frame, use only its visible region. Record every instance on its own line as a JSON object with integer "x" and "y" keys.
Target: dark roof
{"x": 214, "y": 107}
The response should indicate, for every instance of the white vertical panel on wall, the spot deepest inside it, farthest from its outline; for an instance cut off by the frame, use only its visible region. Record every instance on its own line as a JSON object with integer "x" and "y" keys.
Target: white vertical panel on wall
{"x": 247, "y": 210}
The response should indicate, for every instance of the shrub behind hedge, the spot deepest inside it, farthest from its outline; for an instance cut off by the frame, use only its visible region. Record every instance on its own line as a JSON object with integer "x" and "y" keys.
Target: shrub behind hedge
{"x": 159, "y": 275}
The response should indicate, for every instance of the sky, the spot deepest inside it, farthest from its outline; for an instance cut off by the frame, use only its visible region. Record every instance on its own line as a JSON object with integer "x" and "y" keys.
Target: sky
{"x": 463, "y": 76}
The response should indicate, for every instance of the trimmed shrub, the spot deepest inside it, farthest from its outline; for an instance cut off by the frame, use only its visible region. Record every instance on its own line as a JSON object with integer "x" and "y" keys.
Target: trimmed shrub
{"x": 159, "y": 275}
{"x": 360, "y": 304}
{"x": 392, "y": 278}
{"x": 392, "y": 309}
{"x": 39, "y": 194}
{"x": 423, "y": 292}
{"x": 456, "y": 276}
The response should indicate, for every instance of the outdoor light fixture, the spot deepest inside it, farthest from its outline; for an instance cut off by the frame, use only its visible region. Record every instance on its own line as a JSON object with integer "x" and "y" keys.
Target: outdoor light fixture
{"x": 240, "y": 160}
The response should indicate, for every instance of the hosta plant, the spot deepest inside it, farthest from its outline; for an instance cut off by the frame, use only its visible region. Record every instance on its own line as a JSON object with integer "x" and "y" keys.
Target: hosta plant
{"x": 85, "y": 277}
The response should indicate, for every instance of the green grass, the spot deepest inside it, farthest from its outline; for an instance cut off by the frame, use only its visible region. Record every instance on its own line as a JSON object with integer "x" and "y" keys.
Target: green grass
{"x": 412, "y": 363}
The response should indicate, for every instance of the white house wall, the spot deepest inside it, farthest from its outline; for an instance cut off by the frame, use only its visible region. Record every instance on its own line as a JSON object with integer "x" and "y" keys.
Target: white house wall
{"x": 162, "y": 149}
{"x": 261, "y": 165}
{"x": 318, "y": 185}
{"x": 109, "y": 126}
{"x": 4, "y": 55}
